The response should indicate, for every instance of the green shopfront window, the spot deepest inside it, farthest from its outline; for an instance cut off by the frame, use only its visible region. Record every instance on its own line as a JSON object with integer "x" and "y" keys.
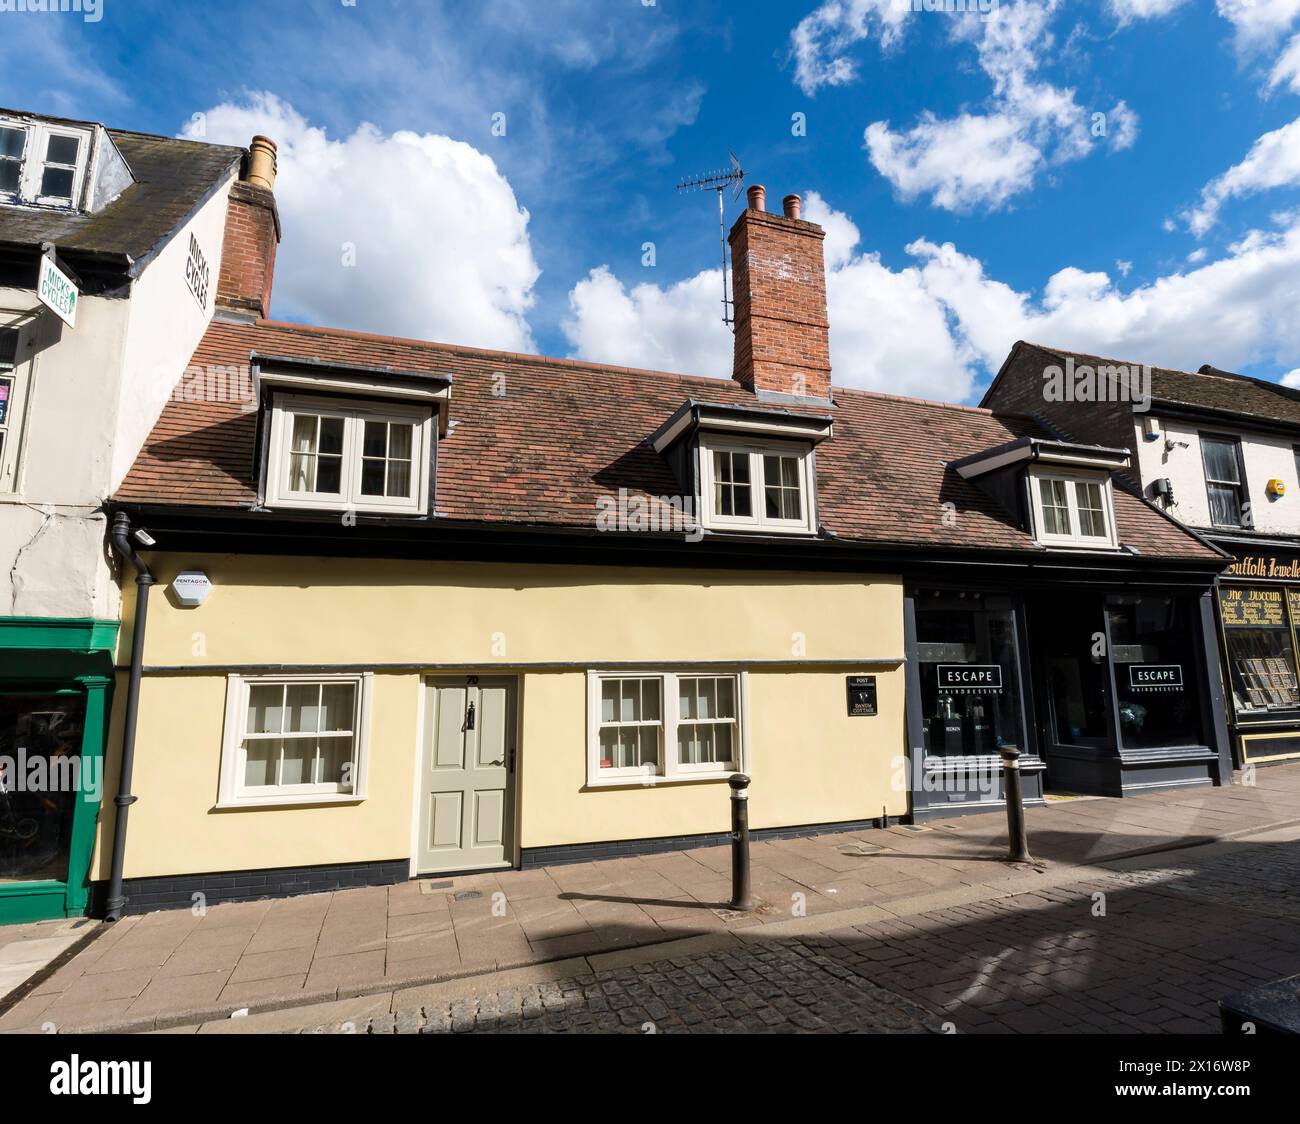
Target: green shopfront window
{"x": 40, "y": 780}
{"x": 1260, "y": 645}
{"x": 1152, "y": 643}
{"x": 969, "y": 663}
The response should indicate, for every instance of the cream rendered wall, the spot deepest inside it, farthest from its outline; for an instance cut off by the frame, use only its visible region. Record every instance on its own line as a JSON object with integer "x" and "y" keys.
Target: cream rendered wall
{"x": 1266, "y": 458}
{"x": 810, "y": 762}
{"x": 93, "y": 394}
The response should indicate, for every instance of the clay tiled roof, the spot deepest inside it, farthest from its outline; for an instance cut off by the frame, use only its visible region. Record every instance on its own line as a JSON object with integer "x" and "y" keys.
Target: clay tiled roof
{"x": 565, "y": 433}
{"x": 1208, "y": 389}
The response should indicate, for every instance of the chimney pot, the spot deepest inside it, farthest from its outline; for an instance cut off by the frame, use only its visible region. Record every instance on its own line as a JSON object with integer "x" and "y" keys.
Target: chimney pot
{"x": 757, "y": 197}
{"x": 261, "y": 163}
{"x": 792, "y": 205}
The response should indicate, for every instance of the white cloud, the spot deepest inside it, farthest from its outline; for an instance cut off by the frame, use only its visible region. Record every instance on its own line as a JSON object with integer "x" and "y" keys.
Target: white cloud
{"x": 984, "y": 160}
{"x": 819, "y": 41}
{"x": 1273, "y": 161}
{"x": 940, "y": 324}
{"x": 1286, "y": 71}
{"x": 441, "y": 244}
{"x": 1292, "y": 378}
{"x": 1124, "y": 268}
{"x": 1258, "y": 24}
{"x": 1130, "y": 11}
{"x": 675, "y": 329}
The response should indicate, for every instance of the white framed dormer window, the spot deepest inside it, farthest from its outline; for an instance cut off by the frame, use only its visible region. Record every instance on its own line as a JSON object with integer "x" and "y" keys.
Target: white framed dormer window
{"x": 15, "y": 370}
{"x": 750, "y": 486}
{"x": 295, "y": 739}
{"x": 1074, "y": 510}
{"x": 661, "y": 726}
{"x": 42, "y": 163}
{"x": 336, "y": 455}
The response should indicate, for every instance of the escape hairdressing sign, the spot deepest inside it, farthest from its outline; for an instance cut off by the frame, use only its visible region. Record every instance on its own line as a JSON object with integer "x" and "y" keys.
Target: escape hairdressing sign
{"x": 1155, "y": 676}
{"x": 979, "y": 677}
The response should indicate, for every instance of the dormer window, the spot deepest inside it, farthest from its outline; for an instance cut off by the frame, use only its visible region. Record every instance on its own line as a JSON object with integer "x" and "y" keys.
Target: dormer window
{"x": 759, "y": 486}
{"x": 1072, "y": 510}
{"x": 329, "y": 454}
{"x": 42, "y": 163}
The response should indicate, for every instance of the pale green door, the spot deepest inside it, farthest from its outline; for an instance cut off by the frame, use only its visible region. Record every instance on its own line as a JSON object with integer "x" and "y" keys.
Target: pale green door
{"x": 466, "y": 776}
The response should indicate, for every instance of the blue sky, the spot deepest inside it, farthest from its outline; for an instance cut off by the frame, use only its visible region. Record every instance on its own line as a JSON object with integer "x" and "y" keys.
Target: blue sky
{"x": 971, "y": 193}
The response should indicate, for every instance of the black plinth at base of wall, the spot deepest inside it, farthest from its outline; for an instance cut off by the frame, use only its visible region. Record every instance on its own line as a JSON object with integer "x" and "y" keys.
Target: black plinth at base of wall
{"x": 1273, "y": 1008}
{"x": 177, "y": 891}
{"x": 566, "y": 853}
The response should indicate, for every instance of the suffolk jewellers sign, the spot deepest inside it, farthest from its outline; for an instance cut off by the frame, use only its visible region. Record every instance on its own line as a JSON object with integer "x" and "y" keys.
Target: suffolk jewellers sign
{"x": 1266, "y": 566}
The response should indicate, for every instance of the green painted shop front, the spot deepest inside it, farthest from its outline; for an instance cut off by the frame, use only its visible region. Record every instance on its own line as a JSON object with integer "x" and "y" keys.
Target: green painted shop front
{"x": 56, "y": 682}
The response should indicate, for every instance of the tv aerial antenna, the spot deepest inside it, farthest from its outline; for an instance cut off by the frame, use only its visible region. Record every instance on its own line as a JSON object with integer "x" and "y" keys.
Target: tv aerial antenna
{"x": 720, "y": 181}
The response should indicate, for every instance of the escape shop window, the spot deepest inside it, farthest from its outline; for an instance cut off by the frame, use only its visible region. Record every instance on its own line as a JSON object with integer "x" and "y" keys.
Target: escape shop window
{"x": 295, "y": 739}
{"x": 756, "y": 487}
{"x": 324, "y": 455}
{"x": 42, "y": 164}
{"x": 1073, "y": 511}
{"x": 1224, "y": 480}
{"x": 1151, "y": 641}
{"x": 674, "y": 725}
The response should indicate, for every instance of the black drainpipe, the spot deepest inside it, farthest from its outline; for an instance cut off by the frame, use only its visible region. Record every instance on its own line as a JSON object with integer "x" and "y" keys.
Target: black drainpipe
{"x": 123, "y": 800}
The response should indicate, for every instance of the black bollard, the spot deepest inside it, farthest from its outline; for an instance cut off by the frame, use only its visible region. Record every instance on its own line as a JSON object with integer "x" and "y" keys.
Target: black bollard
{"x": 740, "y": 896}
{"x": 1019, "y": 844}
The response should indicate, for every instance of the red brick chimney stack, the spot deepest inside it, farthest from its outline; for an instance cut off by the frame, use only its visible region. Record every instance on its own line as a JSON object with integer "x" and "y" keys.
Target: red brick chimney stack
{"x": 252, "y": 235}
{"x": 779, "y": 276}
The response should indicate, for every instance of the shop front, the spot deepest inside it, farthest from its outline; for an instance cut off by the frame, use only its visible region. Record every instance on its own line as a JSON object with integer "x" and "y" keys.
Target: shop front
{"x": 1259, "y": 615}
{"x": 1103, "y": 692}
{"x": 55, "y": 681}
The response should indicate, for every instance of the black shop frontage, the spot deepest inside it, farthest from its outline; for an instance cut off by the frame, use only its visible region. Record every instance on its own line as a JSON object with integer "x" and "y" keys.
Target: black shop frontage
{"x": 1105, "y": 681}
{"x": 1258, "y": 602}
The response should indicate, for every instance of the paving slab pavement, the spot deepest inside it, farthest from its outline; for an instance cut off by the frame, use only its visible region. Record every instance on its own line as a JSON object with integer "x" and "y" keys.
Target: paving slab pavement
{"x": 166, "y": 969}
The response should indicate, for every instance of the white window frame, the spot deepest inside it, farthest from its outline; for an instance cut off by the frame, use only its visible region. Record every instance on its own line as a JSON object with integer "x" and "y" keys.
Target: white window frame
{"x": 759, "y": 520}
{"x": 34, "y": 163}
{"x": 14, "y": 428}
{"x": 673, "y": 771}
{"x": 355, "y": 415}
{"x": 235, "y": 794}
{"x": 1074, "y": 539}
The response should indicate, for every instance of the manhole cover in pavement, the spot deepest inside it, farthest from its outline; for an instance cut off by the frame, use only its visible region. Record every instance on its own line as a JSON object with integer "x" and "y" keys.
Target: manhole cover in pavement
{"x": 467, "y": 895}
{"x": 435, "y": 887}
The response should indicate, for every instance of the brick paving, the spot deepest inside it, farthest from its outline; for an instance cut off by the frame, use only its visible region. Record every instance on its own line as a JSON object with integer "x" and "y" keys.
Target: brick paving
{"x": 765, "y": 989}
{"x": 169, "y": 968}
{"x": 1148, "y": 951}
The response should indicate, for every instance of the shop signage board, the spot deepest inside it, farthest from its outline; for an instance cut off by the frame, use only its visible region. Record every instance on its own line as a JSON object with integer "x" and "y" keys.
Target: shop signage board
{"x": 1252, "y": 608}
{"x": 981, "y": 677}
{"x": 1155, "y": 676}
{"x": 1265, "y": 566}
{"x": 57, "y": 291}
{"x": 862, "y": 696}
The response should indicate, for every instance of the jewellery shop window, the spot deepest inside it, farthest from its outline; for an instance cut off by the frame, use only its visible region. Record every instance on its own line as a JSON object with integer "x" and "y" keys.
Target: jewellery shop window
{"x": 969, "y": 664}
{"x": 1259, "y": 643}
{"x": 1151, "y": 641}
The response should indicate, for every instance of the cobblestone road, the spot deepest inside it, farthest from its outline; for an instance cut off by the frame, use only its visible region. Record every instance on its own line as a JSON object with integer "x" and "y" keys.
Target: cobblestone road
{"x": 1147, "y": 951}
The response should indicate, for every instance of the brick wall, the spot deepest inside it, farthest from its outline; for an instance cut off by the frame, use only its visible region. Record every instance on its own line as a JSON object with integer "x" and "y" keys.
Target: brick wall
{"x": 248, "y": 252}
{"x": 782, "y": 333}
